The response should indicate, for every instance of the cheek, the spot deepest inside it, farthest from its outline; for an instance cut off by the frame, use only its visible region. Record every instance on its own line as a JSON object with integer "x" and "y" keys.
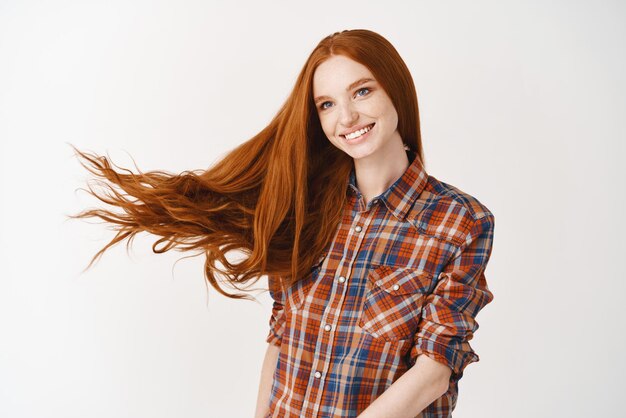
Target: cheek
{"x": 382, "y": 106}
{"x": 393, "y": 117}
{"x": 328, "y": 127}
{"x": 388, "y": 112}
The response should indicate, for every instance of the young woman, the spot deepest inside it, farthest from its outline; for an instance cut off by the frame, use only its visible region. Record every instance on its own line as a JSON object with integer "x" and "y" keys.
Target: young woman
{"x": 375, "y": 268}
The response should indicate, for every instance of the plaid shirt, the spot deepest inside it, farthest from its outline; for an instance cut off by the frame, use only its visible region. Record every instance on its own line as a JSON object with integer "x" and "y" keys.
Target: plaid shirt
{"x": 403, "y": 276}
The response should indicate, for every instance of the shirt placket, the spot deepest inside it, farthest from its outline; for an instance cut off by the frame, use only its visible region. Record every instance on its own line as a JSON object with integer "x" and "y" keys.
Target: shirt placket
{"x": 322, "y": 362}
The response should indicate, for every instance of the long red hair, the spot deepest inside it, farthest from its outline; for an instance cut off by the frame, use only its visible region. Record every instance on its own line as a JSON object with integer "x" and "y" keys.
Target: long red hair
{"x": 277, "y": 197}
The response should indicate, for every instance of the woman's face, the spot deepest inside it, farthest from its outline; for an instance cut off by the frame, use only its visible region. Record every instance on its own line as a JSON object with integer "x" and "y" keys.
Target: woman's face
{"x": 348, "y": 99}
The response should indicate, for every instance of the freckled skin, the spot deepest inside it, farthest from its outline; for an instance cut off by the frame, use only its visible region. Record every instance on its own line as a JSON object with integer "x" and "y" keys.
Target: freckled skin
{"x": 379, "y": 156}
{"x": 362, "y": 105}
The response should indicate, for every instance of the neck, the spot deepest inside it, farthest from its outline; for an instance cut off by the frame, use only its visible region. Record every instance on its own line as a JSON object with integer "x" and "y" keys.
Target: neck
{"x": 375, "y": 175}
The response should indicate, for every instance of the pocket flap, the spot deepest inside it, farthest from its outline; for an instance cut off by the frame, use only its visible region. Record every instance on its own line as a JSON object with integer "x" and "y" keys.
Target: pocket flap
{"x": 400, "y": 280}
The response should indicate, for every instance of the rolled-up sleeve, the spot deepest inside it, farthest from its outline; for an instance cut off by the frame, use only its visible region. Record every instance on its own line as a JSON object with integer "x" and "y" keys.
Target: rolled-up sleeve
{"x": 277, "y": 317}
{"x": 447, "y": 321}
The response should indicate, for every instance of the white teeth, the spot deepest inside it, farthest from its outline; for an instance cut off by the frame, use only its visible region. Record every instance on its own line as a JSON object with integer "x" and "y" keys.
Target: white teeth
{"x": 358, "y": 133}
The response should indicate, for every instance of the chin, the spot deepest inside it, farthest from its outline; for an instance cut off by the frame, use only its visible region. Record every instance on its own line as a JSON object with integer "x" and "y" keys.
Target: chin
{"x": 359, "y": 154}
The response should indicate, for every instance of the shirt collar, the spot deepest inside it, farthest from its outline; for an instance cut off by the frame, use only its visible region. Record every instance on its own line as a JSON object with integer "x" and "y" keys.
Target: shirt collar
{"x": 401, "y": 195}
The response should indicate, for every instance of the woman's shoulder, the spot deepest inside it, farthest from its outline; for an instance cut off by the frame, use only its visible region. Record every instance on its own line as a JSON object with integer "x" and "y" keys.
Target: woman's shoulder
{"x": 448, "y": 195}
{"x": 445, "y": 210}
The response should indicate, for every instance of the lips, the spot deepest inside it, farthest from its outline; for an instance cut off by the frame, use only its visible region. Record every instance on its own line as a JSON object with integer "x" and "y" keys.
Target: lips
{"x": 371, "y": 125}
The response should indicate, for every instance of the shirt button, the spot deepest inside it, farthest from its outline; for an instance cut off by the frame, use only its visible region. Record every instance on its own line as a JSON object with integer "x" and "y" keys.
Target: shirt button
{"x": 327, "y": 327}
{"x": 375, "y": 200}
{"x": 342, "y": 279}
{"x": 357, "y": 228}
{"x": 442, "y": 276}
{"x": 396, "y": 287}
{"x": 318, "y": 374}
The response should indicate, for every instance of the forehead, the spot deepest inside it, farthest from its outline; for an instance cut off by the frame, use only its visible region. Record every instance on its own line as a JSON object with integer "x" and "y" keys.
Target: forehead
{"x": 337, "y": 73}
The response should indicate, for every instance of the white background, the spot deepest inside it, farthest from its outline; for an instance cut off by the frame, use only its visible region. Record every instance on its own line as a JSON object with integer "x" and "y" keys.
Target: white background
{"x": 522, "y": 105}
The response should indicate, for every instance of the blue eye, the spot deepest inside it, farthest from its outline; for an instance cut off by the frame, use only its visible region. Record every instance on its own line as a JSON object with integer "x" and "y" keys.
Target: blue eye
{"x": 322, "y": 106}
{"x": 366, "y": 89}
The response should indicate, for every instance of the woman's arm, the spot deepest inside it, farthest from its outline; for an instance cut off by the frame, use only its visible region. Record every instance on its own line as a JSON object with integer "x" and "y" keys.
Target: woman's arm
{"x": 265, "y": 385}
{"x": 426, "y": 381}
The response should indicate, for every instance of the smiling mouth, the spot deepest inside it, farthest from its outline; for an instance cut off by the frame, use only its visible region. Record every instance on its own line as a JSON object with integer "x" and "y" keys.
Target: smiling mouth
{"x": 359, "y": 133}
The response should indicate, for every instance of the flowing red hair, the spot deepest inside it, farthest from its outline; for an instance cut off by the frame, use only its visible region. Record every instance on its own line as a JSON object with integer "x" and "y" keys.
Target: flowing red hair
{"x": 277, "y": 197}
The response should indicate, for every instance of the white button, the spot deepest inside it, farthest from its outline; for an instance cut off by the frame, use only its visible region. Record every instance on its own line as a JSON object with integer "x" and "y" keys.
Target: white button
{"x": 396, "y": 287}
{"x": 375, "y": 200}
{"x": 318, "y": 374}
{"x": 342, "y": 279}
{"x": 357, "y": 228}
{"x": 327, "y": 327}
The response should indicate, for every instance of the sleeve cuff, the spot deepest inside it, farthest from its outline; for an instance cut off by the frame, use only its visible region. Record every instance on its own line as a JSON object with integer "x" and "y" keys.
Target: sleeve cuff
{"x": 457, "y": 360}
{"x": 277, "y": 326}
{"x": 273, "y": 339}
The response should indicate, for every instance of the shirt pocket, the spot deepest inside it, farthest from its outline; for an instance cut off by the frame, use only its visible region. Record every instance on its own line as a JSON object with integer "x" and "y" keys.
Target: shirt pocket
{"x": 298, "y": 292}
{"x": 393, "y": 301}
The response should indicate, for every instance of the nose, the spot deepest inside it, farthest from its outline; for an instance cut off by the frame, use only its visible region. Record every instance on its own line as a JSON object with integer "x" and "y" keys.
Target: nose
{"x": 348, "y": 115}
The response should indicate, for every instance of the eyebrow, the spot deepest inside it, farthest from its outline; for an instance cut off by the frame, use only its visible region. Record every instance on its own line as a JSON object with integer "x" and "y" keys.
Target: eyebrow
{"x": 350, "y": 87}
